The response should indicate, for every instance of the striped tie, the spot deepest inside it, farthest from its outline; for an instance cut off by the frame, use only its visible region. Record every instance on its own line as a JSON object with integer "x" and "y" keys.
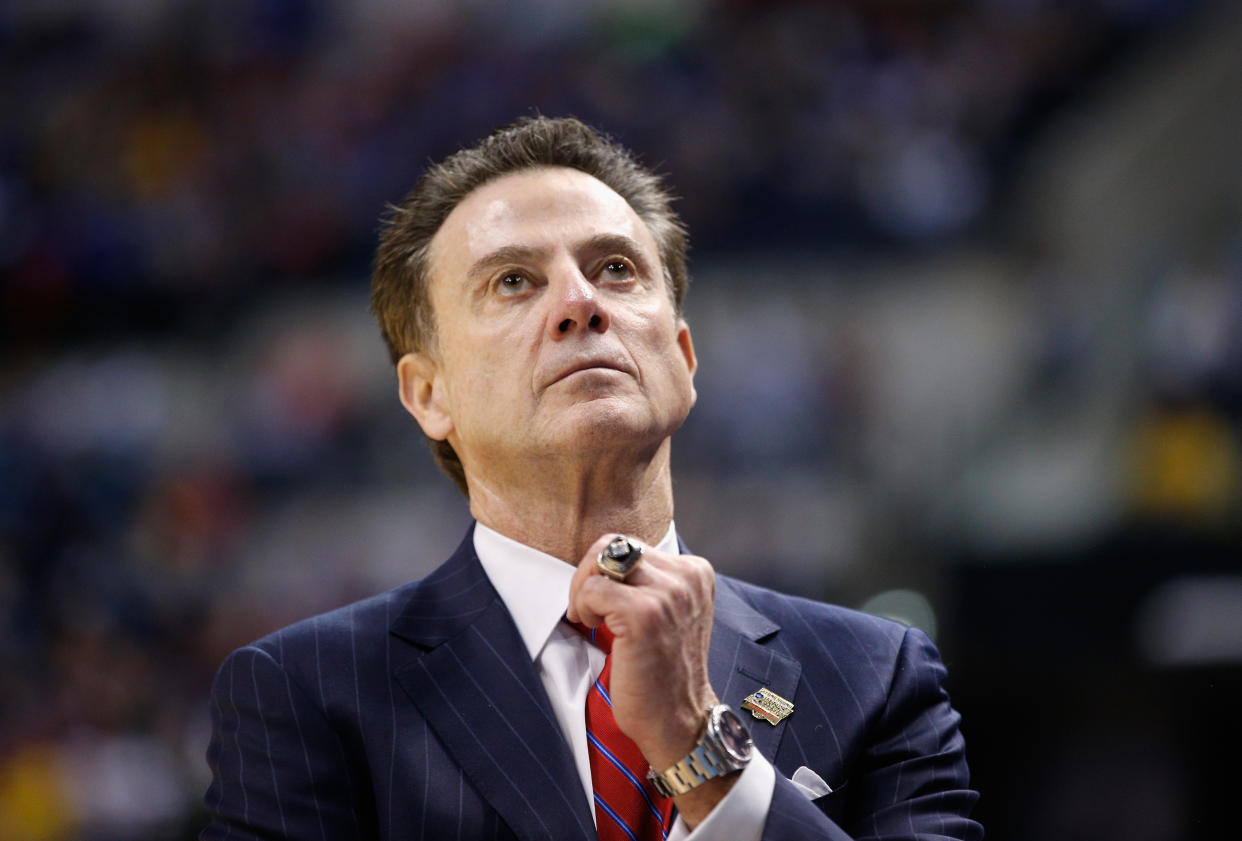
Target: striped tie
{"x": 627, "y": 807}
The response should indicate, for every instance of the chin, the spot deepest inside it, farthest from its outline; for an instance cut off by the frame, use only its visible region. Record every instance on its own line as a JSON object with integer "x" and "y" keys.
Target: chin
{"x": 609, "y": 424}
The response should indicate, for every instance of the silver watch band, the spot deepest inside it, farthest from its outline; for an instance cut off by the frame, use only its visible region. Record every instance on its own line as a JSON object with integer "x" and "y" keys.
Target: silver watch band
{"x": 694, "y": 769}
{"x": 710, "y": 758}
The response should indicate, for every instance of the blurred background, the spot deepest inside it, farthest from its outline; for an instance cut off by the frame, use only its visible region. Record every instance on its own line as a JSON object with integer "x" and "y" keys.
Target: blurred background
{"x": 967, "y": 295}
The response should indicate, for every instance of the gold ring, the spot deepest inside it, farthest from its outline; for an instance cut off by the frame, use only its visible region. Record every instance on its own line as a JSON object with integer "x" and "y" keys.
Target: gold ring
{"x": 619, "y": 558}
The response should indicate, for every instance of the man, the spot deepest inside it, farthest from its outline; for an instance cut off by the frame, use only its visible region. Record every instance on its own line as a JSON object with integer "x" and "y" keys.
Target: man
{"x": 529, "y": 289}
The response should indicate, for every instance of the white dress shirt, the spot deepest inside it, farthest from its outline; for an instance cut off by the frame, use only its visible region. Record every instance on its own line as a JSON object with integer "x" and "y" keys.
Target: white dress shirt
{"x": 535, "y": 588}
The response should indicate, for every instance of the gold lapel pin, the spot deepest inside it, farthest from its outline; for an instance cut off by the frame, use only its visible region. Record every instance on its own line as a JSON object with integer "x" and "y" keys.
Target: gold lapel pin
{"x": 769, "y": 706}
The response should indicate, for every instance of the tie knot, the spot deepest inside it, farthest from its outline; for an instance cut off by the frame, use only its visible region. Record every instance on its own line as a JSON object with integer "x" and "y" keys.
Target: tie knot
{"x": 601, "y": 637}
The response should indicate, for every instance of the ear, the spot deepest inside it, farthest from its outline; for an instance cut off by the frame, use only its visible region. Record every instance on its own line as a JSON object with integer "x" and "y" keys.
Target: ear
{"x": 423, "y": 395}
{"x": 686, "y": 344}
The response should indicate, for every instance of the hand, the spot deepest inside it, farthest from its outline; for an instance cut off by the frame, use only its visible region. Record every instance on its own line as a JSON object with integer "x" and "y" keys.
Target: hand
{"x": 661, "y": 616}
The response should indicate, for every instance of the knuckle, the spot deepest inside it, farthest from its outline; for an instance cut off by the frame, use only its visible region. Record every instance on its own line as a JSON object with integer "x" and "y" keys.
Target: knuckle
{"x": 676, "y": 600}
{"x": 590, "y": 587}
{"x": 706, "y": 574}
{"x": 683, "y": 593}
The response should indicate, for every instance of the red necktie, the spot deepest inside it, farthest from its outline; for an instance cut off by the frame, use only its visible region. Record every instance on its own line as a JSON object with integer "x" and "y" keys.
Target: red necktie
{"x": 627, "y": 807}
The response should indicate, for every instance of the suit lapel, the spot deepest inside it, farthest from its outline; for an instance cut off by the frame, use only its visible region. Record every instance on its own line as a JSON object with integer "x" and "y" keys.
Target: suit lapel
{"x": 472, "y": 679}
{"x": 739, "y": 663}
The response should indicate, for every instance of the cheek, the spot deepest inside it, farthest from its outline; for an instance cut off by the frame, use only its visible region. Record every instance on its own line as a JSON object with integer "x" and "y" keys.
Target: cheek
{"x": 670, "y": 364}
{"x": 662, "y": 338}
{"x": 488, "y": 372}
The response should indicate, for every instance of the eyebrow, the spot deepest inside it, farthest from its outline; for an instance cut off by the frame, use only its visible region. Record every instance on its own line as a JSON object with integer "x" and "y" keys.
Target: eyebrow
{"x": 598, "y": 244}
{"x": 502, "y": 255}
{"x": 628, "y": 246}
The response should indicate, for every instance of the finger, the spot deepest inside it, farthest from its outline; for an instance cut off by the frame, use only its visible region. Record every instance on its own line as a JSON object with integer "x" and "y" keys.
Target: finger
{"x": 586, "y": 568}
{"x": 588, "y": 564}
{"x": 599, "y": 599}
{"x": 680, "y": 591}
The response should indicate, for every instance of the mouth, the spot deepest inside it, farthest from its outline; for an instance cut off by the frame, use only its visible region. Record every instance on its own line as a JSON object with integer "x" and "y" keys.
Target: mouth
{"x": 587, "y": 365}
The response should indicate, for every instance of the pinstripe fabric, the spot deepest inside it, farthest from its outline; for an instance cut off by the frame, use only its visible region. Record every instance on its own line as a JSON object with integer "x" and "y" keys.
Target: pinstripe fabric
{"x": 417, "y": 714}
{"x": 871, "y": 718}
{"x": 627, "y": 806}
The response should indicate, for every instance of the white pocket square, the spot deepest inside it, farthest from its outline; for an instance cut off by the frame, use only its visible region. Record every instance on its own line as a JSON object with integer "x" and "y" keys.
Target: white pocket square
{"x": 810, "y": 783}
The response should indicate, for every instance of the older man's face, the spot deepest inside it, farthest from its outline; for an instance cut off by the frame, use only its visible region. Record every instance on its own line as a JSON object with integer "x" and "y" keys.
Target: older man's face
{"x": 555, "y": 331}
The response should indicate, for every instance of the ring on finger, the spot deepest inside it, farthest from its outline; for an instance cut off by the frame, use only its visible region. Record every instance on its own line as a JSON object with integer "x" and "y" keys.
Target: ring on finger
{"x": 619, "y": 558}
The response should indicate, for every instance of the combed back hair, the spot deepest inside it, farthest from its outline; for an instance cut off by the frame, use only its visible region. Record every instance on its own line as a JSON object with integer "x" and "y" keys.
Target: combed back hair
{"x": 399, "y": 296}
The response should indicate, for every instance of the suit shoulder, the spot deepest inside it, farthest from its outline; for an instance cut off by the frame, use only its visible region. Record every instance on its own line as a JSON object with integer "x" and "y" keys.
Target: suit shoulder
{"x": 357, "y": 633}
{"x": 357, "y": 625}
{"x": 806, "y": 618}
{"x": 844, "y": 652}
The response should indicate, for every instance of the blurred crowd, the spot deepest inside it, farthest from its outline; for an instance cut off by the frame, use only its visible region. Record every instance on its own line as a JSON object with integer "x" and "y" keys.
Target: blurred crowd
{"x": 158, "y": 159}
{"x": 199, "y": 439}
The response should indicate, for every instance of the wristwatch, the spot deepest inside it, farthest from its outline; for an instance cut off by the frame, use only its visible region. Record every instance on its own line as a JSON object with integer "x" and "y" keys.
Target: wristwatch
{"x": 724, "y": 748}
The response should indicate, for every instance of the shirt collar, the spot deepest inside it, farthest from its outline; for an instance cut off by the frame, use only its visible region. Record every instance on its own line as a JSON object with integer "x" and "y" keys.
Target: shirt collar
{"x": 534, "y": 585}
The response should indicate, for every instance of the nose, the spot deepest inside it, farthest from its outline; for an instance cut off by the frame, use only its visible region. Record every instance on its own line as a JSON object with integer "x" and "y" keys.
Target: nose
{"x": 575, "y": 306}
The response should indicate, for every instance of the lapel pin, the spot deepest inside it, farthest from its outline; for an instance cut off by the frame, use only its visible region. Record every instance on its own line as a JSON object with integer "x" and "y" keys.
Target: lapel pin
{"x": 767, "y": 705}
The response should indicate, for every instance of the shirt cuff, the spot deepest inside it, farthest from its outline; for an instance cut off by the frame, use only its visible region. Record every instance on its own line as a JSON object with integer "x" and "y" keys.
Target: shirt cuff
{"x": 740, "y": 814}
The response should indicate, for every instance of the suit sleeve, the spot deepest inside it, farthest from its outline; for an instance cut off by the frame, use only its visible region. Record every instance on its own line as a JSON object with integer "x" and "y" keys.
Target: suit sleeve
{"x": 910, "y": 784}
{"x": 278, "y": 768}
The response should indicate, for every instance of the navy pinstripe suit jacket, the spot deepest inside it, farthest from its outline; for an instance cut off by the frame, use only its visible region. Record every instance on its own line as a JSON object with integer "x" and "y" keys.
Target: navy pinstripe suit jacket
{"x": 417, "y": 714}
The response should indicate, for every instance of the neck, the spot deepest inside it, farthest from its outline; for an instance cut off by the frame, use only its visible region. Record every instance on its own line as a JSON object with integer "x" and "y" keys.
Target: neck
{"x": 561, "y": 508}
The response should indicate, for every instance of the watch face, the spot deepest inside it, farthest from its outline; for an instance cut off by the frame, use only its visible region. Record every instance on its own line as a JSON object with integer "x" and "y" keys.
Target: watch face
{"x": 733, "y": 735}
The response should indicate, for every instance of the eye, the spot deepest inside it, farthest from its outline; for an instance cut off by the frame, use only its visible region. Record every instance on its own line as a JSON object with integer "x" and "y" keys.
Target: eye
{"x": 513, "y": 282}
{"x": 617, "y": 270}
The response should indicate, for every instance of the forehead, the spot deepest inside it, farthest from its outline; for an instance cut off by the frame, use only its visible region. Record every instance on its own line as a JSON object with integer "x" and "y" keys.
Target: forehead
{"x": 540, "y": 209}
